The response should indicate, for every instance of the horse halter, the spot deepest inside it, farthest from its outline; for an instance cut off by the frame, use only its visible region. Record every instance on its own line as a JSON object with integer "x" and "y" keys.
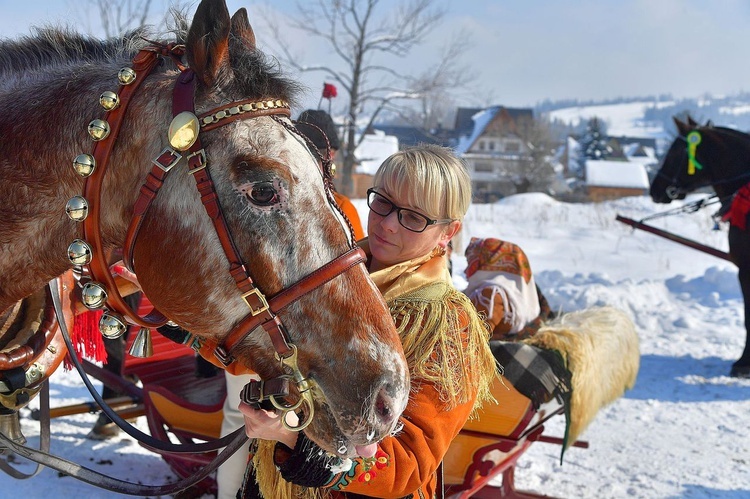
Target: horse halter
{"x": 87, "y": 254}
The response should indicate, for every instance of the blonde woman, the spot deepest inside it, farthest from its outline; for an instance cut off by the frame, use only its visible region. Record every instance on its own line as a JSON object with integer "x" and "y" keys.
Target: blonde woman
{"x": 417, "y": 205}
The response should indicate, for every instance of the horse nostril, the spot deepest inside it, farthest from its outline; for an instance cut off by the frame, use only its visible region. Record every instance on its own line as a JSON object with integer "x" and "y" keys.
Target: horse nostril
{"x": 384, "y": 407}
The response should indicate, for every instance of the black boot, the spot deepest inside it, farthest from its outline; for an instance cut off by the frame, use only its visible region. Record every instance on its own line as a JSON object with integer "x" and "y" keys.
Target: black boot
{"x": 740, "y": 369}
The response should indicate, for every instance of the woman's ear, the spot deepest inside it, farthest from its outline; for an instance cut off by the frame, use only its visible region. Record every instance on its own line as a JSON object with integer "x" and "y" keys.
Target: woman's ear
{"x": 450, "y": 230}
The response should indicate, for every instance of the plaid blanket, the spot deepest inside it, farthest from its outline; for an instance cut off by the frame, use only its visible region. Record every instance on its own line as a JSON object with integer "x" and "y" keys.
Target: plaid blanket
{"x": 536, "y": 373}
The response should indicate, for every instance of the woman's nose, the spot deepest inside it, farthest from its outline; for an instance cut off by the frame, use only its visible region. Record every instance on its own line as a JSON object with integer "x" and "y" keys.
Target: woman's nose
{"x": 390, "y": 222}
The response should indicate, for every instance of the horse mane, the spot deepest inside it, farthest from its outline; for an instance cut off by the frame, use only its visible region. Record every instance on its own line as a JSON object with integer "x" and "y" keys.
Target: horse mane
{"x": 253, "y": 73}
{"x": 55, "y": 46}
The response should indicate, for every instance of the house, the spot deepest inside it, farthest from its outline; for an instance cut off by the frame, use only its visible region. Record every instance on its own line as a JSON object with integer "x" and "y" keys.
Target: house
{"x": 370, "y": 154}
{"x": 608, "y": 179}
{"x": 492, "y": 147}
{"x": 409, "y": 136}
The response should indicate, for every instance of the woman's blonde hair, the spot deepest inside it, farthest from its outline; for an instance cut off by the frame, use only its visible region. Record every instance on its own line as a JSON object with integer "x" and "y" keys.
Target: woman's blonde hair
{"x": 437, "y": 182}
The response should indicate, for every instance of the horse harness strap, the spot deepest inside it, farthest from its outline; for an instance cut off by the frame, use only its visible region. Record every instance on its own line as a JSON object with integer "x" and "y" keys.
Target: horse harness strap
{"x": 266, "y": 316}
{"x": 143, "y": 63}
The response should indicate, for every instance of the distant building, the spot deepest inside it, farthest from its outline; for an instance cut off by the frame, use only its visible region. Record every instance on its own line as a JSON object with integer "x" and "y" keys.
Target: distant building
{"x": 492, "y": 148}
{"x": 409, "y": 136}
{"x": 607, "y": 179}
{"x": 370, "y": 154}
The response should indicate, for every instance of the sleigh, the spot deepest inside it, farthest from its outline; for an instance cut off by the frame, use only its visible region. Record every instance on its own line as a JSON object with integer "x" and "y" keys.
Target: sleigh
{"x": 180, "y": 405}
{"x": 489, "y": 446}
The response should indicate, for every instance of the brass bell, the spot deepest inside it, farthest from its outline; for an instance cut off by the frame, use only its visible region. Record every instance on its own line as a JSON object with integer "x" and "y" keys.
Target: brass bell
{"x": 84, "y": 165}
{"x": 93, "y": 295}
{"x": 126, "y": 76}
{"x": 77, "y": 208}
{"x": 142, "y": 345}
{"x": 10, "y": 426}
{"x": 112, "y": 326}
{"x": 109, "y": 100}
{"x": 98, "y": 129}
{"x": 333, "y": 169}
{"x": 183, "y": 131}
{"x": 79, "y": 252}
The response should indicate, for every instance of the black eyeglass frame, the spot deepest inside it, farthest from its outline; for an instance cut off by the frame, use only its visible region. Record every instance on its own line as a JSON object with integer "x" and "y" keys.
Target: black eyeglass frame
{"x": 394, "y": 207}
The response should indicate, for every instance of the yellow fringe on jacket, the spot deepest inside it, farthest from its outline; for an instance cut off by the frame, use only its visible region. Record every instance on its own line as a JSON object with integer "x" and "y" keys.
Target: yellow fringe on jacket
{"x": 438, "y": 349}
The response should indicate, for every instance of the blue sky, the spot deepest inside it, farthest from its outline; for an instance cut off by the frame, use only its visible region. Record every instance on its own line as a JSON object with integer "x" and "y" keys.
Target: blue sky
{"x": 526, "y": 51}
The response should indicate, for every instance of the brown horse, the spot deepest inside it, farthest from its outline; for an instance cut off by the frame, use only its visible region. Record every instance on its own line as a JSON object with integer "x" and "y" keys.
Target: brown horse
{"x": 271, "y": 193}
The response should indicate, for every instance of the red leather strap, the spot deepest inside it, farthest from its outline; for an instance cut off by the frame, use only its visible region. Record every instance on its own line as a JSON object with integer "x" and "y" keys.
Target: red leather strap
{"x": 182, "y": 100}
{"x": 143, "y": 63}
{"x": 308, "y": 283}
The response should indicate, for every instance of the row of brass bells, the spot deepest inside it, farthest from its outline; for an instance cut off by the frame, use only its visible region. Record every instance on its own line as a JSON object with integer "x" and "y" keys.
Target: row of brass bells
{"x": 94, "y": 294}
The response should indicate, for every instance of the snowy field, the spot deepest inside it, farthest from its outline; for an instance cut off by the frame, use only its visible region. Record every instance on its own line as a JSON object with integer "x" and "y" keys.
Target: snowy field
{"x": 681, "y": 432}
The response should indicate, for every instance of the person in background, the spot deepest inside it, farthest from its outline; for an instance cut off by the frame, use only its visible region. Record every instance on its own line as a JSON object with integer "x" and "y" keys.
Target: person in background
{"x": 417, "y": 205}
{"x": 501, "y": 286}
{"x": 318, "y": 126}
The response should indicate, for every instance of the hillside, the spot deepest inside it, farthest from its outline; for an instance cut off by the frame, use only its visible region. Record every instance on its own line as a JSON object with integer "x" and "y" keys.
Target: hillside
{"x": 651, "y": 117}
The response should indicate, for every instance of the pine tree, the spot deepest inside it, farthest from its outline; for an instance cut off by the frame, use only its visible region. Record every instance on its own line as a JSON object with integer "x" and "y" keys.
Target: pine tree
{"x": 594, "y": 142}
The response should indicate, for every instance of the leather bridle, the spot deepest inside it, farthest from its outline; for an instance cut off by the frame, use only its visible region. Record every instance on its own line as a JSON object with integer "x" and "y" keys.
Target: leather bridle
{"x": 263, "y": 311}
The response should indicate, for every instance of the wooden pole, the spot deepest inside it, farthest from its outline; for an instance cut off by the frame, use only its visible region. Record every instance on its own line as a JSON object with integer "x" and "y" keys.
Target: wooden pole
{"x": 674, "y": 237}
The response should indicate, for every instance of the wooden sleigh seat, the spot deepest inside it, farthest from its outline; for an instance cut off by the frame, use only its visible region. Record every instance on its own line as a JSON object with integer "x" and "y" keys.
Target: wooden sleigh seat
{"x": 178, "y": 404}
{"x": 490, "y": 445}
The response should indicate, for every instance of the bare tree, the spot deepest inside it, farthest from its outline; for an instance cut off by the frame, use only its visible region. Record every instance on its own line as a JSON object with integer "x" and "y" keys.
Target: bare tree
{"x": 363, "y": 37}
{"x": 534, "y": 172}
{"x": 120, "y": 16}
{"x": 115, "y": 18}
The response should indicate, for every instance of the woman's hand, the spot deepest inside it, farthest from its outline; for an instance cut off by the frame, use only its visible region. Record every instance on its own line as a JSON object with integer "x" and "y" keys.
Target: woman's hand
{"x": 267, "y": 425}
{"x": 119, "y": 269}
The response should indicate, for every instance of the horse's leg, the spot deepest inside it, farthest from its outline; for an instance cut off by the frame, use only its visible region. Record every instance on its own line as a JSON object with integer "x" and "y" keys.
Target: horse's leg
{"x": 739, "y": 249}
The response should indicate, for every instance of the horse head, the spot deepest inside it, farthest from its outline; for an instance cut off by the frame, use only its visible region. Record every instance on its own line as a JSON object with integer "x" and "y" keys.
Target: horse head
{"x": 701, "y": 156}
{"x": 282, "y": 238}
{"x": 273, "y": 196}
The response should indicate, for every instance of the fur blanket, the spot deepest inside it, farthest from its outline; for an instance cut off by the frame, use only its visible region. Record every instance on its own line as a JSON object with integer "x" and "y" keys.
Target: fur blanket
{"x": 600, "y": 349}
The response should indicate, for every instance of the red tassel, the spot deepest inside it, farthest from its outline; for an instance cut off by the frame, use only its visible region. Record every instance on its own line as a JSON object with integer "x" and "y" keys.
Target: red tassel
{"x": 87, "y": 339}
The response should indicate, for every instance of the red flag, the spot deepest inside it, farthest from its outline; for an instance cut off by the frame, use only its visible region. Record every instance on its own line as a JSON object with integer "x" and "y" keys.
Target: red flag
{"x": 329, "y": 91}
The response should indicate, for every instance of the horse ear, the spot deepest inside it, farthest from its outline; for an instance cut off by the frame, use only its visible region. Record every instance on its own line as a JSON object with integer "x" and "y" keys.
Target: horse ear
{"x": 242, "y": 30}
{"x": 691, "y": 121}
{"x": 208, "y": 40}
{"x": 682, "y": 128}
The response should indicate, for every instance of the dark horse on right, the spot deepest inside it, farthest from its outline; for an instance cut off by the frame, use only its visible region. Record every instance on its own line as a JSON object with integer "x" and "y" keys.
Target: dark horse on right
{"x": 717, "y": 157}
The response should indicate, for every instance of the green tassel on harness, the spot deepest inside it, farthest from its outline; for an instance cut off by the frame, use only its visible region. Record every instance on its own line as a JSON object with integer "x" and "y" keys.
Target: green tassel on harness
{"x": 693, "y": 139}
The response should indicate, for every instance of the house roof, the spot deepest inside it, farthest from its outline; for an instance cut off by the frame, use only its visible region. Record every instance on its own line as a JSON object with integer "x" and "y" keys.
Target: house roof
{"x": 481, "y": 120}
{"x": 627, "y": 174}
{"x": 464, "y": 123}
{"x": 410, "y": 136}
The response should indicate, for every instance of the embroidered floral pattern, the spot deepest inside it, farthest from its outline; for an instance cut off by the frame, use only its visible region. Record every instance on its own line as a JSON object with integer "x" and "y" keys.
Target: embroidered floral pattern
{"x": 496, "y": 255}
{"x": 365, "y": 471}
{"x": 371, "y": 464}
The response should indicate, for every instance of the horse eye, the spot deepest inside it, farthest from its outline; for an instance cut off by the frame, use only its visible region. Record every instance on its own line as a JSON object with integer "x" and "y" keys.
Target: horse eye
{"x": 264, "y": 195}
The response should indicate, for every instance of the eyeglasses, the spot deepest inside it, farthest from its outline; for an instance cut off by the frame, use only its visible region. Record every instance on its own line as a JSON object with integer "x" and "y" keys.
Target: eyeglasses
{"x": 409, "y": 219}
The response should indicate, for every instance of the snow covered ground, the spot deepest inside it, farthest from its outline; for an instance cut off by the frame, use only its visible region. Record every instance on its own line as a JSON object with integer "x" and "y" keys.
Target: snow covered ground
{"x": 681, "y": 432}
